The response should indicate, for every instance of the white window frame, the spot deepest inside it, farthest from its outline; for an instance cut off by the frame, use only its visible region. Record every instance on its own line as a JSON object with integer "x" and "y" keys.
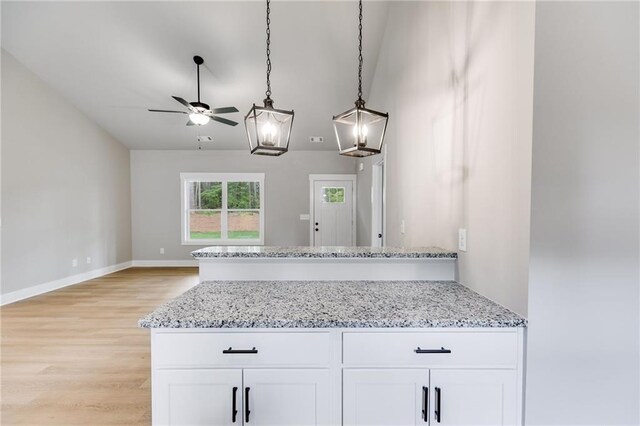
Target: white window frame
{"x": 224, "y": 178}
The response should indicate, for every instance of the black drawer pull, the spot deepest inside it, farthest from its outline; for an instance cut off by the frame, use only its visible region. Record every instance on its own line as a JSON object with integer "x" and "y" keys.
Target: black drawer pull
{"x": 438, "y": 410}
{"x": 425, "y": 404}
{"x": 234, "y": 410}
{"x": 432, "y": 351}
{"x": 240, "y": 351}
{"x": 246, "y": 405}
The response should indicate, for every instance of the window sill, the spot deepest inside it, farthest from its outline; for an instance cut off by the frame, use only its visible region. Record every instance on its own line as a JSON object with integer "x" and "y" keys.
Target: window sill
{"x": 224, "y": 243}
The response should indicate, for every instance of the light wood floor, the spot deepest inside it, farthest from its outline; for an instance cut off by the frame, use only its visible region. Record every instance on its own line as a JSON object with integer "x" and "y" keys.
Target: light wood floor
{"x": 75, "y": 356}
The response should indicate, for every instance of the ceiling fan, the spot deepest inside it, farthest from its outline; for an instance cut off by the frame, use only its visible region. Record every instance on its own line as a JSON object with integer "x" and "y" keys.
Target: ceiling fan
{"x": 199, "y": 112}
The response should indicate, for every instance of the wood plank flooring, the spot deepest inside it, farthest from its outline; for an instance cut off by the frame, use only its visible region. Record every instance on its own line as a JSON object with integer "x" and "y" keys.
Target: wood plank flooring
{"x": 76, "y": 356}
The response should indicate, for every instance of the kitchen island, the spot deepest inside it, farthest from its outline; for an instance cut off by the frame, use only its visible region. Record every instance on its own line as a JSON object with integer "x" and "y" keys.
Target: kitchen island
{"x": 299, "y": 352}
{"x": 220, "y": 263}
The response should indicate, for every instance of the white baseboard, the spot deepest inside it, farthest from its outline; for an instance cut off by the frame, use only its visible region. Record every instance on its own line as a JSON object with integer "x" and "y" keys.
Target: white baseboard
{"x": 163, "y": 263}
{"x": 35, "y": 290}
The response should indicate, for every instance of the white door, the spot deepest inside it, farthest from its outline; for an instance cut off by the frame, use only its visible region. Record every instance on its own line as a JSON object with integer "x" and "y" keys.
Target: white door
{"x": 473, "y": 397}
{"x": 197, "y": 397}
{"x": 286, "y": 397}
{"x": 333, "y": 213}
{"x": 385, "y": 397}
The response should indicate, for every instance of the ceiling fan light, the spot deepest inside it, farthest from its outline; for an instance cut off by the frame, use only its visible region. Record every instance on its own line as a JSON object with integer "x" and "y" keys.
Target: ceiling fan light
{"x": 199, "y": 119}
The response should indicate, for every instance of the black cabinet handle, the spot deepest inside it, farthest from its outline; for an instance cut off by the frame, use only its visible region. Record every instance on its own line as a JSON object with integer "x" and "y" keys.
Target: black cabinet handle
{"x": 432, "y": 351}
{"x": 438, "y": 410}
{"x": 234, "y": 411}
{"x": 316, "y": 229}
{"x": 379, "y": 235}
{"x": 425, "y": 404}
{"x": 240, "y": 351}
{"x": 246, "y": 405}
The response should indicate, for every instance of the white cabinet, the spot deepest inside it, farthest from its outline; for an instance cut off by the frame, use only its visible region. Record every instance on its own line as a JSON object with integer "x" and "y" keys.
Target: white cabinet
{"x": 286, "y": 397}
{"x": 217, "y": 397}
{"x": 197, "y": 397}
{"x": 473, "y": 397}
{"x": 384, "y": 397}
{"x": 354, "y": 377}
{"x": 399, "y": 397}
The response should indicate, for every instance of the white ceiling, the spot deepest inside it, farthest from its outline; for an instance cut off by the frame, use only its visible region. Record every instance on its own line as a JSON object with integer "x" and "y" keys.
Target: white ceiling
{"x": 116, "y": 59}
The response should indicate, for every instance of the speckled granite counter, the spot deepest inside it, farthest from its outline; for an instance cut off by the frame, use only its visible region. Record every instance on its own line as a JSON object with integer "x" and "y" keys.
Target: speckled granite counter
{"x": 323, "y": 252}
{"x": 330, "y": 304}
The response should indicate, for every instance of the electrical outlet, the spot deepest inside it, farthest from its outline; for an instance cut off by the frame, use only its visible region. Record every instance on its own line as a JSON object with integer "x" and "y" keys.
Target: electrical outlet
{"x": 361, "y": 167}
{"x": 74, "y": 263}
{"x": 462, "y": 239}
{"x": 402, "y": 229}
{"x": 88, "y": 260}
{"x": 161, "y": 250}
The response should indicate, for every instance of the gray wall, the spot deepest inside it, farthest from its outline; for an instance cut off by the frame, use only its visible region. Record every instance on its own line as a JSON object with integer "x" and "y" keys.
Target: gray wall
{"x": 155, "y": 189}
{"x": 65, "y": 186}
{"x": 583, "y": 354}
{"x": 457, "y": 80}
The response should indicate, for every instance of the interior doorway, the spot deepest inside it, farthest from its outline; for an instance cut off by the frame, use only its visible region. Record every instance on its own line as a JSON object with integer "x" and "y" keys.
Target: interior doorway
{"x": 333, "y": 210}
{"x": 377, "y": 204}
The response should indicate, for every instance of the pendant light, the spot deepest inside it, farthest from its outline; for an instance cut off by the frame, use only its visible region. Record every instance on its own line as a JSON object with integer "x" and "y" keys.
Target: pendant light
{"x": 360, "y": 131}
{"x": 268, "y": 129}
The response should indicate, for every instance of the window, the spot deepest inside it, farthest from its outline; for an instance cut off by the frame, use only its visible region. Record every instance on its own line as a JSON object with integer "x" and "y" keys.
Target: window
{"x": 222, "y": 208}
{"x": 332, "y": 194}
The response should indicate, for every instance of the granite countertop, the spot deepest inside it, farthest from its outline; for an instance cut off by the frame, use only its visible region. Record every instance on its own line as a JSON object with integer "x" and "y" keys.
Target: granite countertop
{"x": 323, "y": 252}
{"x": 328, "y": 304}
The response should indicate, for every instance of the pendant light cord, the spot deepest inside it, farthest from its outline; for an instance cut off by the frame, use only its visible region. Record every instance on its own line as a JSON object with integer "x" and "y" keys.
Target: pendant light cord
{"x": 268, "y": 92}
{"x": 359, "y": 53}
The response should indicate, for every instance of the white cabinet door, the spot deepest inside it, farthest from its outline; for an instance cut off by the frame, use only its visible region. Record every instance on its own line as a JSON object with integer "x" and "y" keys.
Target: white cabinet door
{"x": 391, "y": 397}
{"x": 197, "y": 397}
{"x": 286, "y": 397}
{"x": 473, "y": 397}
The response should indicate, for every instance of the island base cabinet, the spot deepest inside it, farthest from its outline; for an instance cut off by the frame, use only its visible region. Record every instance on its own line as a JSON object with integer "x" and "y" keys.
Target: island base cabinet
{"x": 221, "y": 397}
{"x": 197, "y": 397}
{"x": 403, "y": 397}
{"x": 473, "y": 397}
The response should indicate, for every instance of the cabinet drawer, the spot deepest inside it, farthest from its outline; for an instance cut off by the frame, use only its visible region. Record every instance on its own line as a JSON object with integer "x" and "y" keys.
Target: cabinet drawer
{"x": 202, "y": 349}
{"x": 492, "y": 349}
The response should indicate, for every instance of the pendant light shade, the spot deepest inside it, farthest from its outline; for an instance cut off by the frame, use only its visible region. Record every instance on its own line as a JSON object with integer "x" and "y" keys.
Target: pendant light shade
{"x": 268, "y": 129}
{"x": 360, "y": 131}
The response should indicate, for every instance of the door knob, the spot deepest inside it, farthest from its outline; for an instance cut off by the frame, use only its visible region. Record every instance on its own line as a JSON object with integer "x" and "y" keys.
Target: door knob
{"x": 316, "y": 229}
{"x": 379, "y": 235}
{"x": 316, "y": 223}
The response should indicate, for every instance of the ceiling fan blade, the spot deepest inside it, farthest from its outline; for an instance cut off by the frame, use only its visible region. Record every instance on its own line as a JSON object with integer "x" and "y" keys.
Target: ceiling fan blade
{"x": 190, "y": 123}
{"x": 165, "y": 110}
{"x": 224, "y": 121}
{"x": 183, "y": 102}
{"x": 224, "y": 110}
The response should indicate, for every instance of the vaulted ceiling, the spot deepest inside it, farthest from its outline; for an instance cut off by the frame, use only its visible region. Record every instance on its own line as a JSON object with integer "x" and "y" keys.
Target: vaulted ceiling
{"x": 116, "y": 59}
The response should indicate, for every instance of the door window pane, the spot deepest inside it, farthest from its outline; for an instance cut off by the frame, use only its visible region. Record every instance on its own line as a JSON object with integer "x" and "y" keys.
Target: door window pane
{"x": 332, "y": 194}
{"x": 204, "y": 225}
{"x": 243, "y": 195}
{"x": 243, "y": 225}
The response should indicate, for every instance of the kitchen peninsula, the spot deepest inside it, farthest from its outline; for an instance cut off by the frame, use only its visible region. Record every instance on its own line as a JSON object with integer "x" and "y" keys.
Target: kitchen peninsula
{"x": 320, "y": 351}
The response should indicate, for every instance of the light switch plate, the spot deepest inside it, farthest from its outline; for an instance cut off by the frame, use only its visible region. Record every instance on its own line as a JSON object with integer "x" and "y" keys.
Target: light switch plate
{"x": 462, "y": 239}
{"x": 402, "y": 226}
